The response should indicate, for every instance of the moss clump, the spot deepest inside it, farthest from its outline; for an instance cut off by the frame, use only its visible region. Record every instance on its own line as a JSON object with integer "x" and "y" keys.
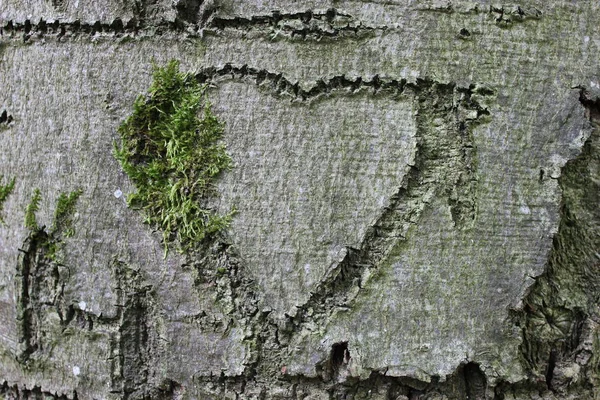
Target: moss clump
{"x": 173, "y": 157}
{"x": 62, "y": 226}
{"x": 32, "y": 208}
{"x": 63, "y": 215}
{"x": 5, "y": 191}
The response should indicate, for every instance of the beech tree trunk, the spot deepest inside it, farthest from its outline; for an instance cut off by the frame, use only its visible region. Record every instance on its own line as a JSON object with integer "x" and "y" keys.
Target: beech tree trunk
{"x": 417, "y": 187}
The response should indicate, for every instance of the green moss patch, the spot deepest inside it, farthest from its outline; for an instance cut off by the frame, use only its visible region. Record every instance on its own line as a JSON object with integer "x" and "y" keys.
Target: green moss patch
{"x": 32, "y": 208}
{"x": 5, "y": 191}
{"x": 170, "y": 150}
{"x": 62, "y": 225}
{"x": 63, "y": 215}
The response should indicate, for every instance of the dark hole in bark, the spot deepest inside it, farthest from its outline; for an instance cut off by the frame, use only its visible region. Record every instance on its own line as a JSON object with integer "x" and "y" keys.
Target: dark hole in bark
{"x": 330, "y": 14}
{"x": 475, "y": 381}
{"x": 339, "y": 355}
{"x": 591, "y": 104}
{"x": 550, "y": 370}
{"x": 188, "y": 10}
{"x": 117, "y": 25}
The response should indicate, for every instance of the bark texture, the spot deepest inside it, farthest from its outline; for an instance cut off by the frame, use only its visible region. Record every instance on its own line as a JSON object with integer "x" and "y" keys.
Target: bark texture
{"x": 416, "y": 183}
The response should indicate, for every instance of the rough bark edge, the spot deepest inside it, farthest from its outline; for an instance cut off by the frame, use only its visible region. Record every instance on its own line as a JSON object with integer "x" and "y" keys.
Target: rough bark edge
{"x": 559, "y": 320}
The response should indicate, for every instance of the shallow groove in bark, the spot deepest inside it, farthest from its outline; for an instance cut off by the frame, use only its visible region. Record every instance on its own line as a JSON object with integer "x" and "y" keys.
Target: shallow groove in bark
{"x": 505, "y": 15}
{"x": 40, "y": 282}
{"x": 31, "y": 258}
{"x": 303, "y": 25}
{"x": 502, "y": 14}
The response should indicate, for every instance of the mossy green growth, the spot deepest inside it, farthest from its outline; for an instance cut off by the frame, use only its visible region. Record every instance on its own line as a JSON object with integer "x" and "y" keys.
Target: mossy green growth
{"x": 63, "y": 215}
{"x": 62, "y": 226}
{"x": 5, "y": 191}
{"x": 173, "y": 157}
{"x": 32, "y": 208}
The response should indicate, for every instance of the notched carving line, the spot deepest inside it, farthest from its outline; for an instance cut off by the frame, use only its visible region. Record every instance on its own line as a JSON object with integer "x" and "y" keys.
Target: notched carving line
{"x": 15, "y": 392}
{"x": 27, "y": 30}
{"x": 306, "y": 25}
{"x": 281, "y": 86}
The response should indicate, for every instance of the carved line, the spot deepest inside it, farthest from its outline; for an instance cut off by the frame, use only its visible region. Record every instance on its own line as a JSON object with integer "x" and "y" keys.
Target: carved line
{"x": 306, "y": 25}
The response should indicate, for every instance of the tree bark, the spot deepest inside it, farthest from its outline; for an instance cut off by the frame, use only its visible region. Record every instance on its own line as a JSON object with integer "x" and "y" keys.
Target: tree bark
{"x": 416, "y": 184}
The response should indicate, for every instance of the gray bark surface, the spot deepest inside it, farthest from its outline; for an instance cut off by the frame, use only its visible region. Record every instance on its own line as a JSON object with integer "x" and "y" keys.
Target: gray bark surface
{"x": 416, "y": 186}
